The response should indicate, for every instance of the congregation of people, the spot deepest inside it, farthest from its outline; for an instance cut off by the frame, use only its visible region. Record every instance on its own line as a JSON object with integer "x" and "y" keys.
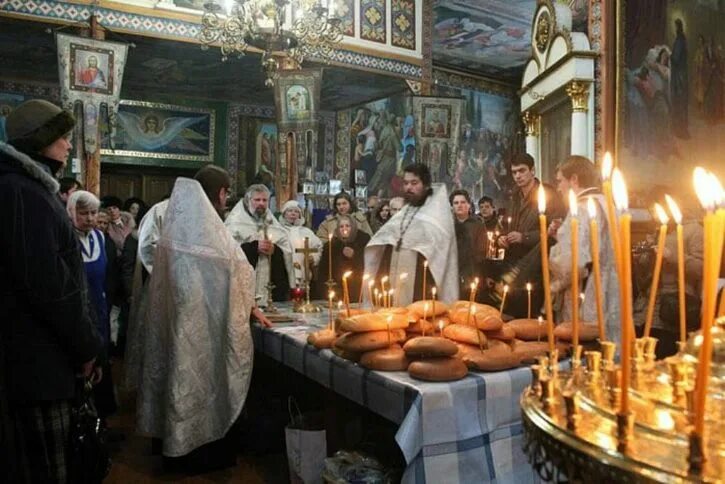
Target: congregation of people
{"x": 171, "y": 288}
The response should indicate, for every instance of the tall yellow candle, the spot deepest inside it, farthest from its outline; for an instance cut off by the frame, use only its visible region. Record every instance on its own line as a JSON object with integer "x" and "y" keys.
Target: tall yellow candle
{"x": 401, "y": 281}
{"x": 677, "y": 216}
{"x": 387, "y": 323}
{"x": 470, "y": 303}
{"x": 607, "y": 167}
{"x": 345, "y": 292}
{"x": 371, "y": 283}
{"x": 383, "y": 291}
{"x": 472, "y": 312}
{"x": 366, "y": 276}
{"x": 330, "y": 297}
{"x": 625, "y": 220}
{"x": 433, "y": 293}
{"x": 329, "y": 257}
{"x": 425, "y": 275}
{"x": 503, "y": 299}
{"x": 528, "y": 299}
{"x": 391, "y": 295}
{"x": 425, "y": 317}
{"x": 596, "y": 267}
{"x": 658, "y": 268}
{"x": 573, "y": 212}
{"x": 545, "y": 271}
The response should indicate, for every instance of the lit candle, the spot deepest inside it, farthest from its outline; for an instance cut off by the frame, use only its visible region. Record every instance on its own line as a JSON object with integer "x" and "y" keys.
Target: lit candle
{"x": 607, "y": 166}
{"x": 528, "y": 297}
{"x": 391, "y": 294}
{"x": 508, "y": 224}
{"x": 472, "y": 312}
{"x": 596, "y": 268}
{"x": 401, "y": 281}
{"x": 383, "y": 291}
{"x": 470, "y": 304}
{"x": 330, "y": 296}
{"x": 503, "y": 299}
{"x": 433, "y": 292}
{"x": 425, "y": 275}
{"x": 538, "y": 335}
{"x": 366, "y": 276}
{"x": 440, "y": 327}
{"x": 677, "y": 216}
{"x": 573, "y": 212}
{"x": 658, "y": 268}
{"x": 329, "y": 257}
{"x": 345, "y": 292}
{"x": 545, "y": 271}
{"x": 619, "y": 190}
{"x": 371, "y": 283}
{"x": 425, "y": 318}
{"x": 472, "y": 294}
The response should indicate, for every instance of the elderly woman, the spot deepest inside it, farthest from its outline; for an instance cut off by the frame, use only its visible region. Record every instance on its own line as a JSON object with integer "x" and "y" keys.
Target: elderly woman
{"x": 83, "y": 208}
{"x": 343, "y": 205}
{"x": 348, "y": 247}
{"x": 292, "y": 220}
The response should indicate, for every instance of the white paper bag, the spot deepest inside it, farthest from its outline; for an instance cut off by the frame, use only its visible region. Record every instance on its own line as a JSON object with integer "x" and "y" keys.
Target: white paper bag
{"x": 306, "y": 441}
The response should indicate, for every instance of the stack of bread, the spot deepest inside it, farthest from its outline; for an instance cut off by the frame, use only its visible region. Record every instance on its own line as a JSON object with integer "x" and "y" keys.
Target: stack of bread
{"x": 374, "y": 339}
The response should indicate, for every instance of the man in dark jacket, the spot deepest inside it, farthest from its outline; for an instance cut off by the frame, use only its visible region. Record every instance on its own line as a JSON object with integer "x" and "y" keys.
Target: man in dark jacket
{"x": 47, "y": 336}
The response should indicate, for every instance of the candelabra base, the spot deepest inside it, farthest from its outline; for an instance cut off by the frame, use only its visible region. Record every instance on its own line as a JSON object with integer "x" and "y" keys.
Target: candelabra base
{"x": 307, "y": 307}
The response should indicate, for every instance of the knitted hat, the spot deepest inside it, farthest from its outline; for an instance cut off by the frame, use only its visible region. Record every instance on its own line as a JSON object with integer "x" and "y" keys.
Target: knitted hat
{"x": 36, "y": 124}
{"x": 290, "y": 205}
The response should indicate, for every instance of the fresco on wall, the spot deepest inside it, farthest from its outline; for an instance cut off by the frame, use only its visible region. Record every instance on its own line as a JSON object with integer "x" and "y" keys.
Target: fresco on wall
{"x": 490, "y": 36}
{"x": 383, "y": 141}
{"x": 674, "y": 102}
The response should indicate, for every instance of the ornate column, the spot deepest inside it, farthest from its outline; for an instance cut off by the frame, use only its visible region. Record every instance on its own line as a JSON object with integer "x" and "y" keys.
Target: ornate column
{"x": 531, "y": 125}
{"x": 578, "y": 91}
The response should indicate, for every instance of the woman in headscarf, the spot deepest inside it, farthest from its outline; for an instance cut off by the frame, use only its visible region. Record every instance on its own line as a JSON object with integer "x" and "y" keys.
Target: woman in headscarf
{"x": 292, "y": 219}
{"x": 343, "y": 204}
{"x": 348, "y": 247}
{"x": 83, "y": 208}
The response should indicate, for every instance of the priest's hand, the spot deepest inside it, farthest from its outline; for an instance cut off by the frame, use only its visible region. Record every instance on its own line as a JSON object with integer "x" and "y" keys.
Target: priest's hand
{"x": 514, "y": 237}
{"x": 265, "y": 247}
{"x": 259, "y": 316}
{"x": 503, "y": 242}
{"x": 348, "y": 252}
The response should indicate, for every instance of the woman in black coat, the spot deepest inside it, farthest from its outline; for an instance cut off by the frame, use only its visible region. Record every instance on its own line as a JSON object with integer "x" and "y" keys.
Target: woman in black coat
{"x": 348, "y": 254}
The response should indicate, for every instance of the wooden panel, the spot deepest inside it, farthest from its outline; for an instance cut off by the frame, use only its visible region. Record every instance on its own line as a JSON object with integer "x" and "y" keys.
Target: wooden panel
{"x": 121, "y": 185}
{"x": 555, "y": 138}
{"x": 157, "y": 187}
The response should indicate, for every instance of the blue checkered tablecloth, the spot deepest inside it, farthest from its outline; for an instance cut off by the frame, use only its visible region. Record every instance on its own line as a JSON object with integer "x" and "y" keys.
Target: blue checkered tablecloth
{"x": 464, "y": 431}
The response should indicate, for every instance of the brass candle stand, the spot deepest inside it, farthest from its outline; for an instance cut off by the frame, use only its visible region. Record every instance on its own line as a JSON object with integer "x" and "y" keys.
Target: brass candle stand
{"x": 307, "y": 306}
{"x": 574, "y": 429}
{"x": 270, "y": 292}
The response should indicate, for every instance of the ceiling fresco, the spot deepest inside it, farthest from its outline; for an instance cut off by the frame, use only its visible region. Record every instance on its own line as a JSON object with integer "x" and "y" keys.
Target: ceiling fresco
{"x": 489, "y": 37}
{"x": 182, "y": 69}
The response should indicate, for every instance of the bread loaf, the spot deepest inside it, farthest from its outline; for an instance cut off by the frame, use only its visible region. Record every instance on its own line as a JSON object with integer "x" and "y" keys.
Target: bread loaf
{"x": 530, "y": 350}
{"x": 369, "y": 340}
{"x": 528, "y": 329}
{"x": 374, "y": 322}
{"x": 423, "y": 324}
{"x": 418, "y": 308}
{"x": 347, "y": 355}
{"x": 385, "y": 359}
{"x": 504, "y": 334}
{"x": 491, "y": 360}
{"x": 322, "y": 339}
{"x": 430, "y": 346}
{"x": 485, "y": 317}
{"x": 438, "y": 369}
{"x": 587, "y": 331}
{"x": 464, "y": 334}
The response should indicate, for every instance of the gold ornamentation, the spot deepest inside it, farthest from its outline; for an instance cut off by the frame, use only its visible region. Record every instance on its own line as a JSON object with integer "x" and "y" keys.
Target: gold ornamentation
{"x": 543, "y": 31}
{"x": 578, "y": 91}
{"x": 531, "y": 123}
{"x": 373, "y": 15}
{"x": 402, "y": 22}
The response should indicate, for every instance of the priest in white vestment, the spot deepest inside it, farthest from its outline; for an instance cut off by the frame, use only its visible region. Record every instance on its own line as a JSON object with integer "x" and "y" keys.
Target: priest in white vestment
{"x": 420, "y": 232}
{"x": 580, "y": 175}
{"x": 292, "y": 219}
{"x": 265, "y": 242}
{"x": 198, "y": 352}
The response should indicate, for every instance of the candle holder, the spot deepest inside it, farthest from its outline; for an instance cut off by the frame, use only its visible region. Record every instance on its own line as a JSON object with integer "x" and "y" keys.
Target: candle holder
{"x": 331, "y": 284}
{"x": 307, "y": 306}
{"x": 270, "y": 303}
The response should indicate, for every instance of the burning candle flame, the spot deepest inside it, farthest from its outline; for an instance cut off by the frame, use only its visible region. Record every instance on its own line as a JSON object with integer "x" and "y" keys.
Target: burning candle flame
{"x": 434, "y": 291}
{"x": 372, "y": 283}
{"x": 384, "y": 280}
{"x": 573, "y": 206}
{"x": 619, "y": 191}
{"x": 674, "y": 209}
{"x": 403, "y": 276}
{"x": 366, "y": 276}
{"x": 703, "y": 187}
{"x": 718, "y": 193}
{"x": 331, "y": 295}
{"x": 591, "y": 208}
{"x": 347, "y": 274}
{"x": 506, "y": 288}
{"x": 542, "y": 199}
{"x": 528, "y": 286}
{"x": 607, "y": 166}
{"x": 661, "y": 214}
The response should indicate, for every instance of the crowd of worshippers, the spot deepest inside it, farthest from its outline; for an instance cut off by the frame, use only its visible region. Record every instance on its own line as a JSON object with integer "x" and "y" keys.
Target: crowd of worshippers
{"x": 84, "y": 279}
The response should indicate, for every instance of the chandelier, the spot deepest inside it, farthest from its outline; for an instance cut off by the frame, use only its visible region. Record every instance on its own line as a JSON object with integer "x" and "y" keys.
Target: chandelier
{"x": 298, "y": 29}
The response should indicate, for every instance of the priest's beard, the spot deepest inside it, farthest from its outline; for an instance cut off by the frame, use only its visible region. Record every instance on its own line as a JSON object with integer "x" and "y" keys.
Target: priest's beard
{"x": 417, "y": 200}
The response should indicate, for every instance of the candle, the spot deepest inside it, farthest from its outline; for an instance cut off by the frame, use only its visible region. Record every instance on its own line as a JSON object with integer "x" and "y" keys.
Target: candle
{"x": 508, "y": 224}
{"x": 371, "y": 283}
{"x": 545, "y": 271}
{"x": 433, "y": 292}
{"x": 538, "y": 335}
{"x": 440, "y": 327}
{"x": 345, "y": 292}
{"x": 596, "y": 268}
{"x": 391, "y": 293}
{"x": 382, "y": 289}
{"x": 658, "y": 267}
{"x": 619, "y": 190}
{"x": 607, "y": 166}
{"x": 366, "y": 276}
{"x": 677, "y": 216}
{"x": 425, "y": 318}
{"x": 472, "y": 312}
{"x": 329, "y": 257}
{"x": 470, "y": 303}
{"x": 387, "y": 323}
{"x": 704, "y": 190}
{"x": 573, "y": 212}
{"x": 425, "y": 275}
{"x": 528, "y": 297}
{"x": 503, "y": 299}
{"x": 401, "y": 280}
{"x": 330, "y": 296}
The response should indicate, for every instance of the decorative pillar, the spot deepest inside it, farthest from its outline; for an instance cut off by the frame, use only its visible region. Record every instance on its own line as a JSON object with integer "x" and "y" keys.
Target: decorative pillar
{"x": 578, "y": 91}
{"x": 531, "y": 125}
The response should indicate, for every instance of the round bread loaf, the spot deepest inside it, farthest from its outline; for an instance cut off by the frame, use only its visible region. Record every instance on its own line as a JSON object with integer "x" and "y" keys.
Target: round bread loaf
{"x": 393, "y": 310}
{"x": 491, "y": 360}
{"x": 485, "y": 319}
{"x": 528, "y": 329}
{"x": 321, "y": 339}
{"x": 587, "y": 331}
{"x": 438, "y": 369}
{"x": 464, "y": 334}
{"x": 530, "y": 350}
{"x": 418, "y": 308}
{"x": 374, "y": 322}
{"x": 423, "y": 324}
{"x": 347, "y": 355}
{"x": 430, "y": 346}
{"x": 503, "y": 334}
{"x": 369, "y": 340}
{"x": 386, "y": 359}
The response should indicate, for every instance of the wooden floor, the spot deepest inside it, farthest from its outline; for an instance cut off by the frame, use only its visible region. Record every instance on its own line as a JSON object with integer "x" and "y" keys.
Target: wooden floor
{"x": 133, "y": 461}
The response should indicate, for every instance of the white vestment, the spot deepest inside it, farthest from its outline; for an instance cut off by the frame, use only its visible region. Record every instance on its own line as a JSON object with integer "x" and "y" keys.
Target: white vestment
{"x": 560, "y": 266}
{"x": 245, "y": 228}
{"x": 430, "y": 233}
{"x": 297, "y": 234}
{"x": 198, "y": 352}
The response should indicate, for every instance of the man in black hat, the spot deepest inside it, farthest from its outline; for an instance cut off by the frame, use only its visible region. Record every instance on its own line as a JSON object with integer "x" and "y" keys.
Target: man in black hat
{"x": 46, "y": 333}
